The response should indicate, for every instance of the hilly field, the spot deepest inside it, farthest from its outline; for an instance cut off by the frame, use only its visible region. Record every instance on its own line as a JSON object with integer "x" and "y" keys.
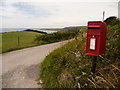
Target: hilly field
{"x": 17, "y": 40}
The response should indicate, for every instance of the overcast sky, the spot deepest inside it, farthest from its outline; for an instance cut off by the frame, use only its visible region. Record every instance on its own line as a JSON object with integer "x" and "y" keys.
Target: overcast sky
{"x": 53, "y": 13}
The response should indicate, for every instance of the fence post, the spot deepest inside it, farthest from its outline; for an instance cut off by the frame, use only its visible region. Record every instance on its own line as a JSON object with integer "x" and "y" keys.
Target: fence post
{"x": 18, "y": 41}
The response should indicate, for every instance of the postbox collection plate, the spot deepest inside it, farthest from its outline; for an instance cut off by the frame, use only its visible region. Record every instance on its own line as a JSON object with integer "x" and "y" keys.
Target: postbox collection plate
{"x": 92, "y": 43}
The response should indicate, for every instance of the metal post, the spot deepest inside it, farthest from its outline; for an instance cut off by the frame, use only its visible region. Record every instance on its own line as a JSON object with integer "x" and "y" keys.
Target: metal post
{"x": 103, "y": 15}
{"x": 94, "y": 61}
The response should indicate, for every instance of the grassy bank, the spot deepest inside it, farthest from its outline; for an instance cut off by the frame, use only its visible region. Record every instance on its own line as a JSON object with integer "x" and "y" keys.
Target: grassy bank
{"x": 70, "y": 67}
{"x": 16, "y": 40}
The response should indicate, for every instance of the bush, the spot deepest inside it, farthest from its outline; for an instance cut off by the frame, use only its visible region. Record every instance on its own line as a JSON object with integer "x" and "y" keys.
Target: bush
{"x": 58, "y": 36}
{"x": 112, "y": 21}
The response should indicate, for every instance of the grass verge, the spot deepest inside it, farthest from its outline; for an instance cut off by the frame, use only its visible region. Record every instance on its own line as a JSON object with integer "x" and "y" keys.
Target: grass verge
{"x": 70, "y": 67}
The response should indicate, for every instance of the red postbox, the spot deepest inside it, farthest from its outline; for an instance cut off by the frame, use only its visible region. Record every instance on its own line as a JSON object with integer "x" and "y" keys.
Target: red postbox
{"x": 96, "y": 38}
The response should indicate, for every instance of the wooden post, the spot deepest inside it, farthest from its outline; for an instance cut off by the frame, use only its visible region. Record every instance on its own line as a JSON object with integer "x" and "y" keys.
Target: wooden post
{"x": 94, "y": 61}
{"x": 18, "y": 41}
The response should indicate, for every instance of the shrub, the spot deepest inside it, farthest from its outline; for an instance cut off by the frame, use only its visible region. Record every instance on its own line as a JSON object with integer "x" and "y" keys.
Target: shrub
{"x": 58, "y": 36}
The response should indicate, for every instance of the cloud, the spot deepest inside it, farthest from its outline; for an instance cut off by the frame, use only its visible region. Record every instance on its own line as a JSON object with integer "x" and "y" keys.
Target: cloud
{"x": 28, "y": 9}
{"x": 34, "y": 13}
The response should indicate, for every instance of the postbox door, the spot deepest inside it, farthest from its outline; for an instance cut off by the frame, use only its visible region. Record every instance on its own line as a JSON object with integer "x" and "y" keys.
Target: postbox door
{"x": 93, "y": 44}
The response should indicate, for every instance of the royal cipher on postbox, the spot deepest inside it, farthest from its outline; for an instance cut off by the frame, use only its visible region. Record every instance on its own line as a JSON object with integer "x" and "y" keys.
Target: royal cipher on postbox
{"x": 96, "y": 38}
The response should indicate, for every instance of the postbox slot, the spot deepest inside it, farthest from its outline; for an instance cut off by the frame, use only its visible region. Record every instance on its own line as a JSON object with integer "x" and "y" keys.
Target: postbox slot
{"x": 93, "y": 27}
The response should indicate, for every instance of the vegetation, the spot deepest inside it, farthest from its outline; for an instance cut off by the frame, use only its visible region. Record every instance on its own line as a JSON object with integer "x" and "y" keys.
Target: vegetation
{"x": 16, "y": 40}
{"x": 112, "y": 21}
{"x": 29, "y": 38}
{"x": 58, "y": 36}
{"x": 70, "y": 67}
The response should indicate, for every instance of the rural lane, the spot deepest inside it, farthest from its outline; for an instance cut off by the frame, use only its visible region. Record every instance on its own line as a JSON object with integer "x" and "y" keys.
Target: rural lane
{"x": 20, "y": 68}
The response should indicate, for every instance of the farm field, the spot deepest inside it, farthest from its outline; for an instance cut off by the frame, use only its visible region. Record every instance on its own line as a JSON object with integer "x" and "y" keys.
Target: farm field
{"x": 17, "y": 40}
{"x": 22, "y": 39}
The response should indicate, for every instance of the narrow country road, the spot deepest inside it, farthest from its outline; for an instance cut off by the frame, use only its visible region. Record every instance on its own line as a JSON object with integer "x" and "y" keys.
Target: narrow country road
{"x": 20, "y": 68}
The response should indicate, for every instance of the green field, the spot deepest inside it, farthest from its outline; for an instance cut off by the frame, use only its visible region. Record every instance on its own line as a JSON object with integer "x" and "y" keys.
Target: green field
{"x": 22, "y": 39}
{"x": 16, "y": 40}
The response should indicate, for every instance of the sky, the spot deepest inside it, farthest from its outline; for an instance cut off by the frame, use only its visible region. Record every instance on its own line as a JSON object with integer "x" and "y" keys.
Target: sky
{"x": 54, "y": 13}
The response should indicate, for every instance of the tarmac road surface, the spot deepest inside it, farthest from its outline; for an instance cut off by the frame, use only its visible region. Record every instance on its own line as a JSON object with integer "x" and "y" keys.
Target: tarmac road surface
{"x": 20, "y": 68}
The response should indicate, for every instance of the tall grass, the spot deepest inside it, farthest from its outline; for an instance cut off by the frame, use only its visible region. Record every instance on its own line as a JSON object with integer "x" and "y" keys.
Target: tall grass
{"x": 70, "y": 67}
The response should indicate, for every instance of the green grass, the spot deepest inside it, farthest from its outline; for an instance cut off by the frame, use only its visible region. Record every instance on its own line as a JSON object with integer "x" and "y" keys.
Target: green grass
{"x": 70, "y": 67}
{"x": 58, "y": 70}
{"x": 10, "y": 40}
{"x": 23, "y": 39}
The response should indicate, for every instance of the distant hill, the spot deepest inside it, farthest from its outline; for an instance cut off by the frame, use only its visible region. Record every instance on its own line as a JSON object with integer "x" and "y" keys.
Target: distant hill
{"x": 35, "y": 31}
{"x": 65, "y": 28}
{"x": 52, "y": 29}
